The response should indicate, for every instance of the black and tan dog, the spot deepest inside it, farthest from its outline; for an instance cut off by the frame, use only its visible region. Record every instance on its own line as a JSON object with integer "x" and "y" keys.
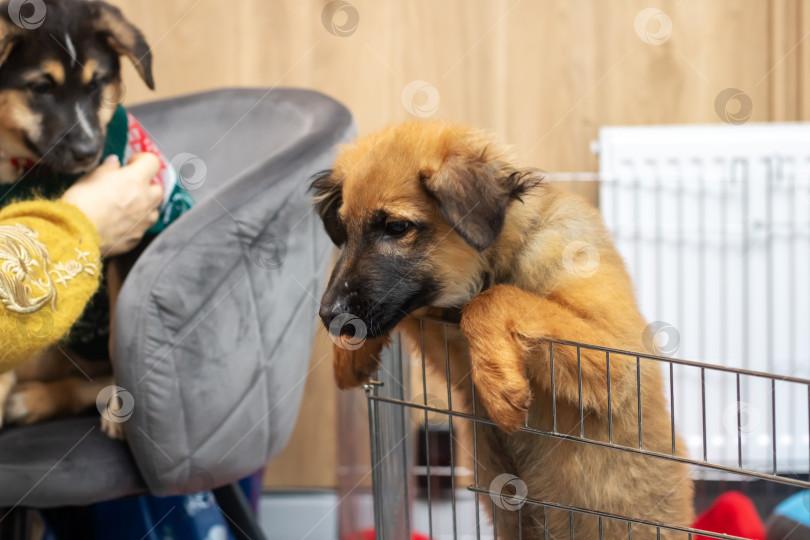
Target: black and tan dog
{"x": 434, "y": 219}
{"x": 60, "y": 84}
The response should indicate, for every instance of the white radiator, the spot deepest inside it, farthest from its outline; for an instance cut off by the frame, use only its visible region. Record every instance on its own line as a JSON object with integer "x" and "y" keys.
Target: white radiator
{"x": 714, "y": 225}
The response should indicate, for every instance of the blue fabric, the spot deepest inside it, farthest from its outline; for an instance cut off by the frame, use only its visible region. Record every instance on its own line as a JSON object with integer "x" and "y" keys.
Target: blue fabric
{"x": 252, "y": 486}
{"x": 187, "y": 517}
{"x": 796, "y": 508}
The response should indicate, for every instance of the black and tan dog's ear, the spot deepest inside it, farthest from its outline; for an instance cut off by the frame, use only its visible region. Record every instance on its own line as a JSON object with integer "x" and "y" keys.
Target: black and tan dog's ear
{"x": 7, "y": 43}
{"x": 473, "y": 194}
{"x": 124, "y": 38}
{"x": 10, "y": 35}
{"x": 328, "y": 198}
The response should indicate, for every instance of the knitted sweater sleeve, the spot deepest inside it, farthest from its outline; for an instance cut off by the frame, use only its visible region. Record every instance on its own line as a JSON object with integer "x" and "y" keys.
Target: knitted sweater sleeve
{"x": 49, "y": 269}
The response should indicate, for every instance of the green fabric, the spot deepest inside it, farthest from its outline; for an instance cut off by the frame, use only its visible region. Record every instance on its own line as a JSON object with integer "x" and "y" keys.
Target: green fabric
{"x": 117, "y": 135}
{"x": 178, "y": 204}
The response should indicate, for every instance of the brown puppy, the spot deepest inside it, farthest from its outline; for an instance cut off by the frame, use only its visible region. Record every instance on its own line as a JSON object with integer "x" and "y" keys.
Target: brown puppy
{"x": 434, "y": 218}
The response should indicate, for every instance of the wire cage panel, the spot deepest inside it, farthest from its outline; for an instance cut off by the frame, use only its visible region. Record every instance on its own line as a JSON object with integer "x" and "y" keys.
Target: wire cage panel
{"x": 714, "y": 225}
{"x": 404, "y": 504}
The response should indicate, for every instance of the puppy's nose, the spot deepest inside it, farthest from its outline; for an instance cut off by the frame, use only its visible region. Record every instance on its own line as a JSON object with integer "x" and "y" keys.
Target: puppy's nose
{"x": 84, "y": 152}
{"x": 343, "y": 299}
{"x": 330, "y": 310}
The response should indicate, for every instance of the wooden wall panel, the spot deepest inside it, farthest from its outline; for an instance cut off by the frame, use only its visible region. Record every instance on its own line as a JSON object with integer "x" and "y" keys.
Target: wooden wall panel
{"x": 310, "y": 458}
{"x": 803, "y": 67}
{"x": 782, "y": 77}
{"x": 543, "y": 74}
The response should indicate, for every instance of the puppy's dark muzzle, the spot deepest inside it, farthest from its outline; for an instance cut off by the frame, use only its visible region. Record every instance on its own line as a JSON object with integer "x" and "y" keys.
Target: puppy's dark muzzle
{"x": 335, "y": 311}
{"x": 74, "y": 155}
{"x": 85, "y": 154}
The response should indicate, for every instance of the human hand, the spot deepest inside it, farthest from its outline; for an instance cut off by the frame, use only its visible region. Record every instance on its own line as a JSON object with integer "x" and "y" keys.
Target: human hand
{"x": 122, "y": 202}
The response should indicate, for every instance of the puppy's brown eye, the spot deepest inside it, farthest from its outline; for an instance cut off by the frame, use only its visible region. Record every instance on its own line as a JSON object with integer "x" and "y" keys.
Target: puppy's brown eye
{"x": 41, "y": 86}
{"x": 94, "y": 84}
{"x": 97, "y": 82}
{"x": 397, "y": 228}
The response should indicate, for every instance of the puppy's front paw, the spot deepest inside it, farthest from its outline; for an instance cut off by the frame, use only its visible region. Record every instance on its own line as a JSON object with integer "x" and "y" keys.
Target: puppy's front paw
{"x": 7, "y": 381}
{"x": 114, "y": 430}
{"x": 111, "y": 421}
{"x": 30, "y": 402}
{"x": 497, "y": 357}
{"x": 354, "y": 366}
{"x": 504, "y": 391}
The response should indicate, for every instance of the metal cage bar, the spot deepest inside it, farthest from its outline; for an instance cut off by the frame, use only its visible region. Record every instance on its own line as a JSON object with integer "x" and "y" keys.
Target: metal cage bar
{"x": 390, "y": 392}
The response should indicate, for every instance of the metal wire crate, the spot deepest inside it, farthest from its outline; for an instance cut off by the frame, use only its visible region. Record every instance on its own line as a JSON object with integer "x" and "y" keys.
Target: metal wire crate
{"x": 400, "y": 405}
{"x": 714, "y": 227}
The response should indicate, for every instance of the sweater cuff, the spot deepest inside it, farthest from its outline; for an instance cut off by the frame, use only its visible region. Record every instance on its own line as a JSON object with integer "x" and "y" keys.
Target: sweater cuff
{"x": 64, "y": 215}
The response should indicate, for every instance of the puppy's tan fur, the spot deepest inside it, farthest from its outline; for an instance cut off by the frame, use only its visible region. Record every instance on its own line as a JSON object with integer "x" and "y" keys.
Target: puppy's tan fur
{"x": 500, "y": 341}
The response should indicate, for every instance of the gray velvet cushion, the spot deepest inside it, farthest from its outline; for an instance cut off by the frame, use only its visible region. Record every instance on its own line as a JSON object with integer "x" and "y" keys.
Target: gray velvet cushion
{"x": 216, "y": 319}
{"x": 64, "y": 462}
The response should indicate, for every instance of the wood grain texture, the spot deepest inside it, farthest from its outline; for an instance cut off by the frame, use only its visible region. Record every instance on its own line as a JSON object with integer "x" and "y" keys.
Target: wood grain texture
{"x": 784, "y": 57}
{"x": 542, "y": 74}
{"x": 310, "y": 458}
{"x": 803, "y": 60}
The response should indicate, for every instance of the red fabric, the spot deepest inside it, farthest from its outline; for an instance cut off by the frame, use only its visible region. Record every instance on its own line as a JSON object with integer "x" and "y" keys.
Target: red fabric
{"x": 139, "y": 141}
{"x": 732, "y": 513}
{"x": 25, "y": 163}
{"x": 368, "y": 534}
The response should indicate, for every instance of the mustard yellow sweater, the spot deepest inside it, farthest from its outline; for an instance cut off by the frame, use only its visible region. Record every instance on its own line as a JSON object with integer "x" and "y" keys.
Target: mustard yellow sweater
{"x": 49, "y": 269}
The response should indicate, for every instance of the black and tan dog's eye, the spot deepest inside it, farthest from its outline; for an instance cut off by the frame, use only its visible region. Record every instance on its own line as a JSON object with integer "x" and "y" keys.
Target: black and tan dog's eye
{"x": 94, "y": 84}
{"x": 97, "y": 82}
{"x": 41, "y": 86}
{"x": 397, "y": 228}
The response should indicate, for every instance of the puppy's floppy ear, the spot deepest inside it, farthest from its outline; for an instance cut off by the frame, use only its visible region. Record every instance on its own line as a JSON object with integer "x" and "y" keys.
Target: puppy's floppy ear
{"x": 7, "y": 42}
{"x": 10, "y": 34}
{"x": 473, "y": 194}
{"x": 328, "y": 198}
{"x": 123, "y": 37}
